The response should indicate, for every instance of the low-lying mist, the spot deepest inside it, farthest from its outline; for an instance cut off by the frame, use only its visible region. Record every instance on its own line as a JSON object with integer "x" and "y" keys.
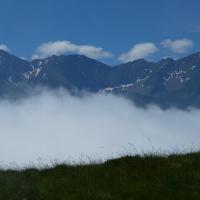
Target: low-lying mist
{"x": 53, "y": 125}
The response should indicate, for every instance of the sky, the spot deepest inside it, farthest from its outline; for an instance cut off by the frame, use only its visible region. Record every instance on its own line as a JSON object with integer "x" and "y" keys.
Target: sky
{"x": 113, "y": 31}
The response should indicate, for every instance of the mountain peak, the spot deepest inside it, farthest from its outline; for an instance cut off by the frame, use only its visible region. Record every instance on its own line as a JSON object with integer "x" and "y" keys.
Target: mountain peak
{"x": 4, "y": 53}
{"x": 168, "y": 59}
{"x": 140, "y": 61}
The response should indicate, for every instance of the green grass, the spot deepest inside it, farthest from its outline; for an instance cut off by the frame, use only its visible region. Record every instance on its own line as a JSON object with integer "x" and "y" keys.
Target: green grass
{"x": 148, "y": 177}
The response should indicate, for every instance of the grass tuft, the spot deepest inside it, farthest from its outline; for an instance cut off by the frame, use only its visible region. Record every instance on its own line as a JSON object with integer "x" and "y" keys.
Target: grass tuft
{"x": 131, "y": 177}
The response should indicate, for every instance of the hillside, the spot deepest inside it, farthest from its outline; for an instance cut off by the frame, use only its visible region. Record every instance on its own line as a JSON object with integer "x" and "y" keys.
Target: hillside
{"x": 149, "y": 177}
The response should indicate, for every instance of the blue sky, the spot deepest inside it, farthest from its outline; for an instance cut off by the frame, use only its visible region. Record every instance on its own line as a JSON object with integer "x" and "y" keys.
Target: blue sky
{"x": 110, "y": 28}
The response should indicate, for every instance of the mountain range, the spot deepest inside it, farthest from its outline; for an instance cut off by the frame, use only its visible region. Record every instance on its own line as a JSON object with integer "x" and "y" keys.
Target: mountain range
{"x": 167, "y": 83}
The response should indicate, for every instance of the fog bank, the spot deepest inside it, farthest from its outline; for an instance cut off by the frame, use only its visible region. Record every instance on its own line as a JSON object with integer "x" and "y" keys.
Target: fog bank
{"x": 58, "y": 126}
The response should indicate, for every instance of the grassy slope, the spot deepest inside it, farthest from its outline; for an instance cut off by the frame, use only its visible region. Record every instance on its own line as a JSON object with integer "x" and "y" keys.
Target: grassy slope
{"x": 175, "y": 177}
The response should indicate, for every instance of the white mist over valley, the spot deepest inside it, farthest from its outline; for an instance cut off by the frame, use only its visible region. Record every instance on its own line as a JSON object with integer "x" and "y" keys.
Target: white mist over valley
{"x": 54, "y": 125}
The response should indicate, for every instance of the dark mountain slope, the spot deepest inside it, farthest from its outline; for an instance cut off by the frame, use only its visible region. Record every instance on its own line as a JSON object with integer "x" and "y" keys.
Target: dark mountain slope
{"x": 70, "y": 71}
{"x": 166, "y": 83}
{"x": 12, "y": 68}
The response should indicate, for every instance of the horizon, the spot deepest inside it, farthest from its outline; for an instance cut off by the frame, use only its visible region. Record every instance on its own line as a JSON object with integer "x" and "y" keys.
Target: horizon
{"x": 99, "y": 60}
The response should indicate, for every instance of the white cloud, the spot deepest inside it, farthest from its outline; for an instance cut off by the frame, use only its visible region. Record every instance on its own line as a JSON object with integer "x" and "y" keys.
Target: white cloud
{"x": 4, "y": 47}
{"x": 97, "y": 126}
{"x": 178, "y": 45}
{"x": 63, "y": 47}
{"x": 23, "y": 58}
{"x": 140, "y": 50}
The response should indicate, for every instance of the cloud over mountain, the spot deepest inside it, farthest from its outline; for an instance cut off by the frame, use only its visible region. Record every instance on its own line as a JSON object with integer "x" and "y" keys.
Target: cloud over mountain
{"x": 141, "y": 50}
{"x": 178, "y": 45}
{"x": 63, "y": 47}
{"x": 4, "y": 47}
